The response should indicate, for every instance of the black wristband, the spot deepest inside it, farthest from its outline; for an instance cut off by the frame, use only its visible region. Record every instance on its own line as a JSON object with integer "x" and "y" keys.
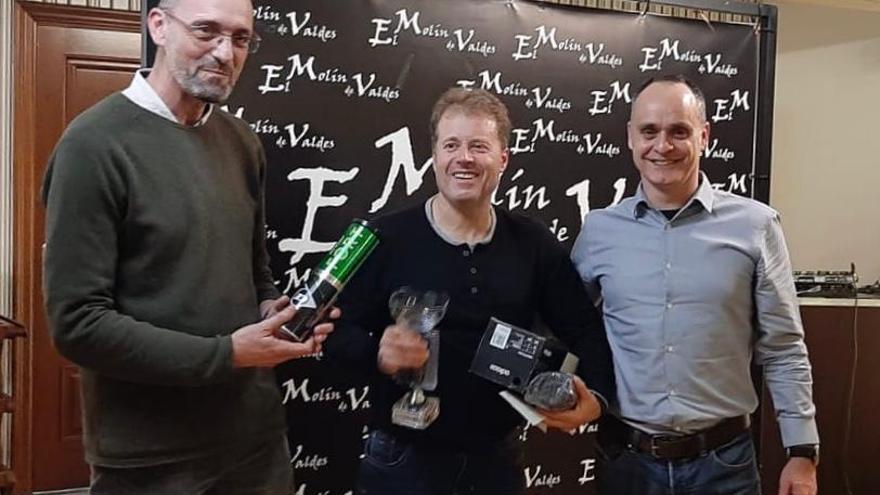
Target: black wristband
{"x": 810, "y": 451}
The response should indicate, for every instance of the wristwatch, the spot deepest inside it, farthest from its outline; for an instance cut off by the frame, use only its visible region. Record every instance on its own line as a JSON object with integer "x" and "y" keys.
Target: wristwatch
{"x": 810, "y": 451}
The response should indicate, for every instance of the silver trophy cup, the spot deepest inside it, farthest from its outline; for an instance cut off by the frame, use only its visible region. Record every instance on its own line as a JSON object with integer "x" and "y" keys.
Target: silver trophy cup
{"x": 420, "y": 312}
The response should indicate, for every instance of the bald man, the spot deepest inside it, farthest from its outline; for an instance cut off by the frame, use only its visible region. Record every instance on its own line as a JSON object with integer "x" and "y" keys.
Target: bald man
{"x": 693, "y": 283}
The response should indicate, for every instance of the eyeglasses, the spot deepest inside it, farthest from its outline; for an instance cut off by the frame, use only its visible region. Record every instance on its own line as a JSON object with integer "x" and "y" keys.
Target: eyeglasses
{"x": 207, "y": 32}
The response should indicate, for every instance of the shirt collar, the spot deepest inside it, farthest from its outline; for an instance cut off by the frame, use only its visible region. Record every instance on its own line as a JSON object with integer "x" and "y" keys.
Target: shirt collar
{"x": 143, "y": 95}
{"x": 429, "y": 212}
{"x": 704, "y": 195}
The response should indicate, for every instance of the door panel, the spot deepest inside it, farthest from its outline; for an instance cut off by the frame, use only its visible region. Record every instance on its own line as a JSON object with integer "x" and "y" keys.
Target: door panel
{"x": 75, "y": 57}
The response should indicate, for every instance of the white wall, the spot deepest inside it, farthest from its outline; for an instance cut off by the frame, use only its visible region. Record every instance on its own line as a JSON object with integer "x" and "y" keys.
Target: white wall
{"x": 825, "y": 176}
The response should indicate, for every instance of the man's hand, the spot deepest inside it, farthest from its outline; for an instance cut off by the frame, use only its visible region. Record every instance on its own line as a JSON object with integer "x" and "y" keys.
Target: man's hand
{"x": 270, "y": 307}
{"x": 401, "y": 349}
{"x": 587, "y": 409}
{"x": 798, "y": 477}
{"x": 257, "y": 345}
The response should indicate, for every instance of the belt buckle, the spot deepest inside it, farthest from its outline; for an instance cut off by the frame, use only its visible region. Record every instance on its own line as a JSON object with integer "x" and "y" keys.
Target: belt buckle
{"x": 655, "y": 448}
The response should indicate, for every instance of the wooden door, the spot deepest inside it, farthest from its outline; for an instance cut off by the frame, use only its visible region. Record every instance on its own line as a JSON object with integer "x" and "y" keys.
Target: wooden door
{"x": 67, "y": 58}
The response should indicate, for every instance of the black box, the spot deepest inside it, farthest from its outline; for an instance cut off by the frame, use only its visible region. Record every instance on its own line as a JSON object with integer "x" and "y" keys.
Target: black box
{"x": 511, "y": 356}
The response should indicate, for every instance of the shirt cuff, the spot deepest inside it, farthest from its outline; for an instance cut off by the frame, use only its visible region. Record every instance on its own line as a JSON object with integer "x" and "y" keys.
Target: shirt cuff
{"x": 798, "y": 431}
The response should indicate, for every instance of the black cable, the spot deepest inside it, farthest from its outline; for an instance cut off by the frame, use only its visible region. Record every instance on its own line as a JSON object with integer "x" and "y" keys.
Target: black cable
{"x": 850, "y": 396}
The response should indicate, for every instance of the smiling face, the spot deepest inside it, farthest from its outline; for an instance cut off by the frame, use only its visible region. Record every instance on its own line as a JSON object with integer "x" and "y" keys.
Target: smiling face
{"x": 204, "y": 69}
{"x": 667, "y": 133}
{"x": 468, "y": 157}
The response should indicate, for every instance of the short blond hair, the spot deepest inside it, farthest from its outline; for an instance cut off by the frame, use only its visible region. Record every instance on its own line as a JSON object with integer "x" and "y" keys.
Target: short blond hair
{"x": 472, "y": 101}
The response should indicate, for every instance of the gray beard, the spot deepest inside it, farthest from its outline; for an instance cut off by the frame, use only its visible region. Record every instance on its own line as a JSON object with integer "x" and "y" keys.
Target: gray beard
{"x": 205, "y": 92}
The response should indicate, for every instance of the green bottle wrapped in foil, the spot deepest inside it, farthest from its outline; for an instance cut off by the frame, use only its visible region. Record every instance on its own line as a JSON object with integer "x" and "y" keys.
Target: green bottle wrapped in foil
{"x": 317, "y": 294}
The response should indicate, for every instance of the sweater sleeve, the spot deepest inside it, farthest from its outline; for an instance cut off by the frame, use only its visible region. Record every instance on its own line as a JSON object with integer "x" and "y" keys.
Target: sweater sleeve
{"x": 263, "y": 281}
{"x": 568, "y": 311}
{"x": 85, "y": 199}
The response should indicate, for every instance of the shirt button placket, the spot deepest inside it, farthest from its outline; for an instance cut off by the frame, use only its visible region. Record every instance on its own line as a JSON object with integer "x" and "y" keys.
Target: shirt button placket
{"x": 667, "y": 348}
{"x": 473, "y": 271}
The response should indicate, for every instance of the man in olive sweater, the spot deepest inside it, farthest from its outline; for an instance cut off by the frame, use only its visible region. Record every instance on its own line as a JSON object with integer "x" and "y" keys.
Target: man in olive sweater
{"x": 156, "y": 274}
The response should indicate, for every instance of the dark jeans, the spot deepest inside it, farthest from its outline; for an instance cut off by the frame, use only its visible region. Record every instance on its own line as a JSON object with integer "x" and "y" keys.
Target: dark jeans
{"x": 261, "y": 470}
{"x": 392, "y": 467}
{"x": 728, "y": 470}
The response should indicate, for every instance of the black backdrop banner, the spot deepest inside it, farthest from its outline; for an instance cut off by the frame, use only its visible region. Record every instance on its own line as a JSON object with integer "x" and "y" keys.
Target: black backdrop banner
{"x": 340, "y": 93}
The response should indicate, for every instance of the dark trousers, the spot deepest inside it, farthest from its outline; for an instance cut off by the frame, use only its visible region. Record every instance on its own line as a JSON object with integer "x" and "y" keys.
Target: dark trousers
{"x": 727, "y": 470}
{"x": 393, "y": 467}
{"x": 261, "y": 470}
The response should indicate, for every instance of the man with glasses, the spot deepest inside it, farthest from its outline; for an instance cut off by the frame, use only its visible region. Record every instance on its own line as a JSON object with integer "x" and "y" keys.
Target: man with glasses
{"x": 156, "y": 274}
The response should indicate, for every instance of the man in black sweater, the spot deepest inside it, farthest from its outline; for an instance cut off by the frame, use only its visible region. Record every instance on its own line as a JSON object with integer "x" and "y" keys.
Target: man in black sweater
{"x": 156, "y": 274}
{"x": 490, "y": 262}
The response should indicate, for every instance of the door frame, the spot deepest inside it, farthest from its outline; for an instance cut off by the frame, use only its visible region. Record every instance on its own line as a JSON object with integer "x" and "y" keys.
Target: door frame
{"x": 28, "y": 18}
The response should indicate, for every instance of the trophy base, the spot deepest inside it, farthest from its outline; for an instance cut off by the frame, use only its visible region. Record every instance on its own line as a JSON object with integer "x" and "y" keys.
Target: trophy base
{"x": 415, "y": 416}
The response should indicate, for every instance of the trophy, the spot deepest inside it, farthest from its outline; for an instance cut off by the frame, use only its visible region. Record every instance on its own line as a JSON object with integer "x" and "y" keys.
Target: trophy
{"x": 420, "y": 312}
{"x": 551, "y": 390}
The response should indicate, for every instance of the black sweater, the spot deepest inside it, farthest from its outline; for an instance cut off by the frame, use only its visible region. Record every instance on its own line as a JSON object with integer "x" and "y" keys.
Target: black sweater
{"x": 154, "y": 255}
{"x": 522, "y": 274}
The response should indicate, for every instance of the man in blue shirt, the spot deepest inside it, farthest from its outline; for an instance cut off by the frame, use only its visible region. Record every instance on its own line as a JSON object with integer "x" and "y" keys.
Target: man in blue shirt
{"x": 693, "y": 284}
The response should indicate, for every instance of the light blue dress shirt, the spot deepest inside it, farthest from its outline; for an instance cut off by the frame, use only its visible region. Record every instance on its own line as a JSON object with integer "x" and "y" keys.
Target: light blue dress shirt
{"x": 687, "y": 302}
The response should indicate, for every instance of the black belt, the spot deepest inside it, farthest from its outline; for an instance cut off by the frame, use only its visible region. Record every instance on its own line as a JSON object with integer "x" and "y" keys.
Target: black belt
{"x": 674, "y": 447}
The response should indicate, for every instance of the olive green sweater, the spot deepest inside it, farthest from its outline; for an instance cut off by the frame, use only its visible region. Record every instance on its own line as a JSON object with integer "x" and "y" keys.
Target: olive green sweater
{"x": 155, "y": 253}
